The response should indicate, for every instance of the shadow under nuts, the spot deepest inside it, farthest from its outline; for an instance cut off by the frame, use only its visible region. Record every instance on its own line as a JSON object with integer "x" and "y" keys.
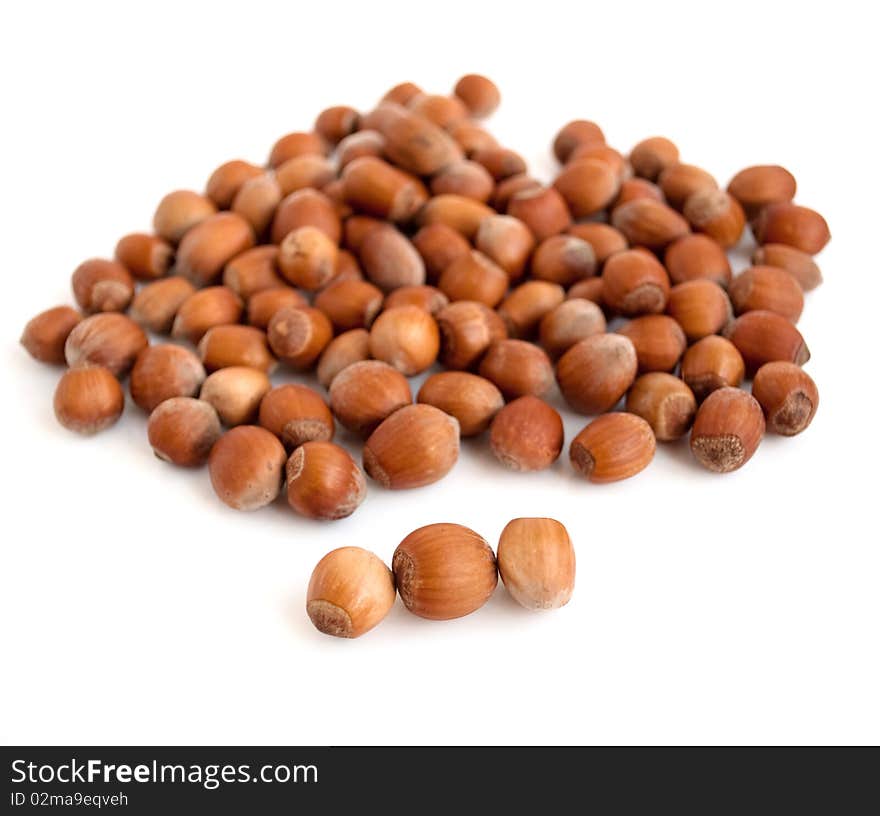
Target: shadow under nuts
{"x": 727, "y": 431}
{"x": 536, "y": 562}
{"x": 444, "y": 571}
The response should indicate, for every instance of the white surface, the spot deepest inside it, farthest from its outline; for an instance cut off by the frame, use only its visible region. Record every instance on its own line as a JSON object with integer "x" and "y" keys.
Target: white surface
{"x": 136, "y": 608}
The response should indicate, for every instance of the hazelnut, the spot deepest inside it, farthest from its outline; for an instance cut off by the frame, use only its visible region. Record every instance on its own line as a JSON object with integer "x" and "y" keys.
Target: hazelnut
{"x": 414, "y": 143}
{"x": 680, "y": 181}
{"x": 347, "y": 267}
{"x": 206, "y": 248}
{"x": 377, "y": 188}
{"x": 88, "y": 399}
{"x": 573, "y": 135}
{"x": 236, "y": 393}
{"x": 109, "y": 339}
{"x": 658, "y": 340}
{"x": 596, "y": 372}
{"x": 415, "y": 446}
{"x": 179, "y": 212}
{"x": 717, "y": 214}
{"x": 799, "y": 264}
{"x": 102, "y": 286}
{"x": 324, "y": 482}
{"x": 518, "y": 368}
{"x": 543, "y": 210}
{"x": 302, "y": 172}
{"x": 567, "y": 324}
{"x": 252, "y": 271}
{"x": 439, "y": 245}
{"x": 634, "y": 188}
{"x": 479, "y": 94}
{"x": 165, "y": 371}
{"x": 563, "y": 259}
{"x": 444, "y": 571}
{"x": 390, "y": 260}
{"x": 227, "y": 180}
{"x": 247, "y": 467}
{"x": 296, "y": 414}
{"x": 500, "y": 162}
{"x": 307, "y": 258}
{"x": 428, "y": 298}
{"x": 700, "y": 307}
{"x": 712, "y": 363}
{"x": 769, "y": 288}
{"x": 358, "y": 145}
{"x": 536, "y": 563}
{"x": 402, "y": 93}
{"x": 506, "y": 241}
{"x": 756, "y": 187}
{"x": 650, "y": 157}
{"x": 697, "y": 257}
{"x": 225, "y": 346}
{"x": 591, "y": 289}
{"x": 799, "y": 227}
{"x": 467, "y": 329}
{"x": 613, "y": 447}
{"x": 350, "y": 591}
{"x": 462, "y": 214}
{"x": 296, "y": 144}
{"x": 605, "y": 154}
{"x": 588, "y": 186}
{"x": 256, "y": 202}
{"x": 364, "y": 393}
{"x": 263, "y": 305}
{"x": 145, "y": 256}
{"x": 465, "y": 178}
{"x": 524, "y": 307}
{"x": 342, "y": 351}
{"x": 443, "y": 111}
{"x": 474, "y": 277}
{"x": 665, "y": 402}
{"x": 45, "y": 335}
{"x": 406, "y": 338}
{"x": 470, "y": 137}
{"x": 787, "y": 395}
{"x": 472, "y": 400}
{"x": 649, "y": 223}
{"x": 297, "y": 335}
{"x": 204, "y": 309}
{"x": 509, "y": 187}
{"x": 526, "y": 434}
{"x": 306, "y": 208}
{"x": 155, "y": 306}
{"x": 634, "y": 282}
{"x": 764, "y": 337}
{"x": 337, "y": 122}
{"x": 727, "y": 430}
{"x": 350, "y": 304}
{"x": 182, "y": 431}
{"x": 604, "y": 239}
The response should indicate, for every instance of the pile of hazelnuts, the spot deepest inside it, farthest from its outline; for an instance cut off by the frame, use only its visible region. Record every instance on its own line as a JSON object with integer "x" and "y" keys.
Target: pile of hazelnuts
{"x": 379, "y": 244}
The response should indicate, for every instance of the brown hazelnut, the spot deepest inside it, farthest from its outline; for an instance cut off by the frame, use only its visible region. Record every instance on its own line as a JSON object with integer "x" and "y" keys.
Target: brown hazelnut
{"x": 439, "y": 245}
{"x": 500, "y": 162}
{"x": 634, "y": 188}
{"x": 444, "y": 571}
{"x": 236, "y": 393}
{"x": 306, "y": 208}
{"x": 799, "y": 264}
{"x": 764, "y": 337}
{"x": 536, "y": 563}
{"x": 470, "y": 137}
{"x": 506, "y": 241}
{"x": 358, "y": 145}
{"x": 799, "y": 227}
{"x": 479, "y": 94}
{"x": 364, "y": 393}
{"x": 591, "y": 289}
{"x": 467, "y": 329}
{"x": 787, "y": 395}
{"x": 297, "y": 335}
{"x": 727, "y": 430}
{"x": 146, "y": 256}
{"x": 568, "y": 323}
{"x": 307, "y": 258}
{"x": 182, "y": 431}
{"x": 204, "y": 309}
{"x": 263, "y": 305}
{"x": 350, "y": 304}
{"x": 665, "y": 402}
{"x": 474, "y": 276}
{"x": 165, "y": 371}
{"x": 542, "y": 210}
{"x": 509, "y": 187}
{"x": 697, "y": 257}
{"x": 337, "y": 122}
{"x": 324, "y": 482}
{"x": 634, "y": 282}
{"x": 518, "y": 368}
{"x": 102, "y": 286}
{"x": 680, "y": 181}
{"x": 757, "y": 187}
{"x": 472, "y": 400}
{"x": 717, "y": 214}
{"x": 206, "y": 248}
{"x": 247, "y": 467}
{"x": 376, "y": 188}
{"x": 441, "y": 110}
{"x": 428, "y": 298}
{"x": 179, "y": 212}
{"x": 658, "y": 340}
{"x": 296, "y": 144}
{"x": 603, "y": 238}
{"x": 563, "y": 259}
{"x": 575, "y": 134}
{"x": 525, "y": 306}
{"x": 252, "y": 271}
{"x": 301, "y": 172}
{"x": 710, "y": 364}
{"x": 769, "y": 288}
{"x": 462, "y": 214}
{"x": 588, "y": 186}
{"x": 465, "y": 178}
{"x": 613, "y": 447}
{"x": 406, "y": 338}
{"x": 45, "y": 335}
{"x": 526, "y": 434}
{"x": 596, "y": 372}
{"x": 256, "y": 201}
{"x": 700, "y": 307}
{"x": 350, "y": 591}
{"x": 155, "y": 305}
{"x": 227, "y": 180}
{"x": 342, "y": 351}
{"x": 414, "y": 143}
{"x": 296, "y": 414}
{"x": 650, "y": 157}
{"x": 390, "y": 260}
{"x": 88, "y": 399}
{"x": 225, "y": 346}
{"x": 109, "y": 339}
{"x": 649, "y": 223}
{"x": 607, "y": 155}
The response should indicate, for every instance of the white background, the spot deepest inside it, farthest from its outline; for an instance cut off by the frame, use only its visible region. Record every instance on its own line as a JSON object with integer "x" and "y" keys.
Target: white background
{"x": 136, "y": 608}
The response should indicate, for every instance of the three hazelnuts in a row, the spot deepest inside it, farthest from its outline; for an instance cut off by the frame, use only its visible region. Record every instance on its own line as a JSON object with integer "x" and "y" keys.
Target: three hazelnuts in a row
{"x": 442, "y": 571}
